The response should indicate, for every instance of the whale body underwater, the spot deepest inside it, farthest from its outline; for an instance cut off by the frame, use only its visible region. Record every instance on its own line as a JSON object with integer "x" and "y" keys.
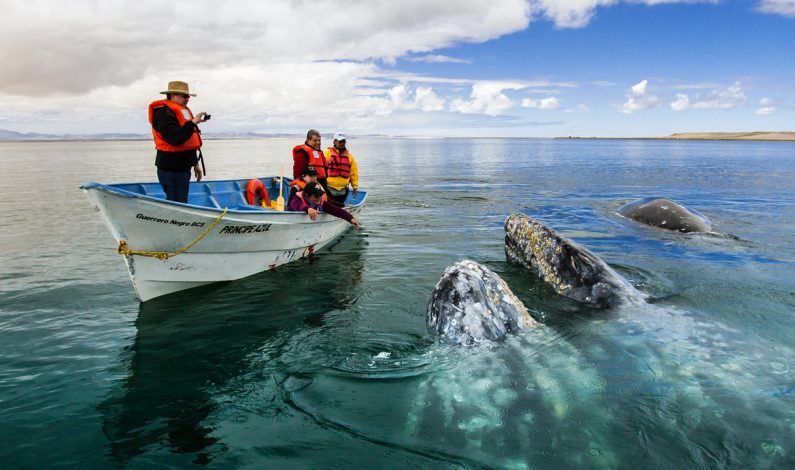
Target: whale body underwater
{"x": 539, "y": 382}
{"x": 471, "y": 303}
{"x": 666, "y": 214}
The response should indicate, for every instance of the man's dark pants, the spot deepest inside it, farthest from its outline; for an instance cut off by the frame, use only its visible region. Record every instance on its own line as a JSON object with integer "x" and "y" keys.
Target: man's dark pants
{"x": 175, "y": 184}
{"x": 337, "y": 197}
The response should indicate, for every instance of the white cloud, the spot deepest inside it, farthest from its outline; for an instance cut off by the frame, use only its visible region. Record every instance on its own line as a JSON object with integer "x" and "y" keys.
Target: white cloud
{"x": 439, "y": 59}
{"x": 578, "y": 13}
{"x": 248, "y": 61}
{"x": 427, "y": 100}
{"x": 681, "y": 103}
{"x": 730, "y": 98}
{"x": 486, "y": 98}
{"x": 569, "y": 13}
{"x": 779, "y": 7}
{"x": 253, "y": 67}
{"x": 580, "y": 108}
{"x": 698, "y": 86}
{"x": 74, "y": 47}
{"x": 766, "y": 107}
{"x": 639, "y": 98}
{"x": 544, "y": 103}
{"x": 422, "y": 98}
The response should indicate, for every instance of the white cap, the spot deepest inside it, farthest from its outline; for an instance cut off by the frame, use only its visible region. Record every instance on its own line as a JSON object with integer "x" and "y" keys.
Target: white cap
{"x": 339, "y": 136}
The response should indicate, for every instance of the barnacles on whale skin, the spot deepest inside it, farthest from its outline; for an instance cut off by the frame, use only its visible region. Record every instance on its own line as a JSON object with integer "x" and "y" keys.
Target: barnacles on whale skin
{"x": 471, "y": 303}
{"x": 571, "y": 270}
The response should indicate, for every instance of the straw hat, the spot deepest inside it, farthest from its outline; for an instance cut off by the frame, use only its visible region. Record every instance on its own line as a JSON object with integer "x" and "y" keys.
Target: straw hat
{"x": 178, "y": 87}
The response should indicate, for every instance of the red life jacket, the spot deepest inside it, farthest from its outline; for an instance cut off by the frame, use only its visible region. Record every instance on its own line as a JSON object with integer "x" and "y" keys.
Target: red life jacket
{"x": 195, "y": 140}
{"x": 316, "y": 159}
{"x": 339, "y": 165}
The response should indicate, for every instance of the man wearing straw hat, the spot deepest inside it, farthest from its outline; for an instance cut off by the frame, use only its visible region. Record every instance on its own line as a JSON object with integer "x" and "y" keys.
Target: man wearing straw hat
{"x": 177, "y": 140}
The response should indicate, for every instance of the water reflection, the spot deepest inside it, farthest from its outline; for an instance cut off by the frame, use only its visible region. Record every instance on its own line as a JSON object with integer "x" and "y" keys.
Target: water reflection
{"x": 190, "y": 345}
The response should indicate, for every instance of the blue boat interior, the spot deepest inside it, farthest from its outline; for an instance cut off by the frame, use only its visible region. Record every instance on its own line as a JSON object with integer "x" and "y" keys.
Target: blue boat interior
{"x": 218, "y": 194}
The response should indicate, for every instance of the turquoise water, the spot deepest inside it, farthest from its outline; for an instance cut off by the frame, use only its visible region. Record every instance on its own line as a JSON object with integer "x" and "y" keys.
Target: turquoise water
{"x": 326, "y": 362}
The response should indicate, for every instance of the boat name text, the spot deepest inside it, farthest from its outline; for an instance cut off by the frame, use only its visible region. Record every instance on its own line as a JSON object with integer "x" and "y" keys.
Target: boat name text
{"x": 172, "y": 221}
{"x": 246, "y": 228}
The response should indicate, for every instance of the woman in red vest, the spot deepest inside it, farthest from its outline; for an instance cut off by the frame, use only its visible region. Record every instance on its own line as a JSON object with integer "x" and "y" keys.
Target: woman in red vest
{"x": 177, "y": 140}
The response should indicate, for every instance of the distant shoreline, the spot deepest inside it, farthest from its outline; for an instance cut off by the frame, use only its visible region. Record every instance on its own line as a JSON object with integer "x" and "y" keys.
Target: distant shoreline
{"x": 747, "y": 136}
{"x": 734, "y": 136}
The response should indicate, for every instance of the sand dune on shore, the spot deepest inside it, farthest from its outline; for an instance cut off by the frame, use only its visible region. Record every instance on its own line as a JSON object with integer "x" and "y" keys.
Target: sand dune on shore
{"x": 732, "y": 136}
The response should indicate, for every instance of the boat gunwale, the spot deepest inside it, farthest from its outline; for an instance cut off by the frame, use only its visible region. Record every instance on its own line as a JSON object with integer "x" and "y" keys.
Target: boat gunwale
{"x": 111, "y": 188}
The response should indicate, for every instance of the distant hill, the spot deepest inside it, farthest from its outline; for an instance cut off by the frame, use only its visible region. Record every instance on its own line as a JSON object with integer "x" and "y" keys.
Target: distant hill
{"x": 732, "y": 136}
{"x": 12, "y": 136}
{"x": 759, "y": 135}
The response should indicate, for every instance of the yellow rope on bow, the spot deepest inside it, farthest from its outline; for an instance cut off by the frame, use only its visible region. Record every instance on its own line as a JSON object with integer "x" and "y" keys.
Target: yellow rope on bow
{"x": 123, "y": 249}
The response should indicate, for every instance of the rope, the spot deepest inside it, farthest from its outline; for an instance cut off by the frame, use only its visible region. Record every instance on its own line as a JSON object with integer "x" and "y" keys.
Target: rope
{"x": 125, "y": 250}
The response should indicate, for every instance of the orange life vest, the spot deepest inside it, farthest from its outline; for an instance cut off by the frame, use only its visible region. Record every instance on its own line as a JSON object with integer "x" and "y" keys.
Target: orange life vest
{"x": 316, "y": 159}
{"x": 195, "y": 140}
{"x": 298, "y": 182}
{"x": 339, "y": 165}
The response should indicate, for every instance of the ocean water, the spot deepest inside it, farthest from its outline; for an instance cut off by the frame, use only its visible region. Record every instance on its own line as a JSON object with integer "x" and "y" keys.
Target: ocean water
{"x": 326, "y": 362}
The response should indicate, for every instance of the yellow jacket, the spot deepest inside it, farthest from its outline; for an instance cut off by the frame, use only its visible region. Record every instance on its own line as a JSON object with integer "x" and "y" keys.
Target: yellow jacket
{"x": 340, "y": 183}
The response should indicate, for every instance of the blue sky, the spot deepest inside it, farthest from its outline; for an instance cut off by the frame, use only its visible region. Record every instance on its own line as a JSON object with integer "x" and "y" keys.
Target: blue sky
{"x": 515, "y": 68}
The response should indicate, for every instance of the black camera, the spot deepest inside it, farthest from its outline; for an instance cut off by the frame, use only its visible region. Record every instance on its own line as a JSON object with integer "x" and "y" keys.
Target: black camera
{"x": 206, "y": 117}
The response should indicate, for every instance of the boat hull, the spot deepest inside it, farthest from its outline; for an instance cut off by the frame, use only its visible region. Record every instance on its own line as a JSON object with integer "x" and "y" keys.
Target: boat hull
{"x": 223, "y": 246}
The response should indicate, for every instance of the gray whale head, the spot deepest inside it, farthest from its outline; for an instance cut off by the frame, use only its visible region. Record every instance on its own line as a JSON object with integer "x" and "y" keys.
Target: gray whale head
{"x": 470, "y": 303}
{"x": 665, "y": 213}
{"x": 572, "y": 270}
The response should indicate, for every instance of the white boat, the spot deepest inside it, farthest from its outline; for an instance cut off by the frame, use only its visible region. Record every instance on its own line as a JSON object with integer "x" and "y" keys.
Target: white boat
{"x": 169, "y": 246}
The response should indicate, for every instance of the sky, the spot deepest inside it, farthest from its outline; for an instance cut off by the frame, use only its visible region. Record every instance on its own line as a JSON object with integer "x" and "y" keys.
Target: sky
{"x": 463, "y": 68}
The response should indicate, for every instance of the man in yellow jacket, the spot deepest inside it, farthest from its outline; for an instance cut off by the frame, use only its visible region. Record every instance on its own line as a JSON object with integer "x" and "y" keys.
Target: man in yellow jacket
{"x": 342, "y": 171}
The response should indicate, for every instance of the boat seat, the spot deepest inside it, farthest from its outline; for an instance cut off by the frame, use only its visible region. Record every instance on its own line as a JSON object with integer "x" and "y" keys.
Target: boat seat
{"x": 229, "y": 198}
{"x": 203, "y": 200}
{"x": 232, "y": 200}
{"x": 224, "y": 186}
{"x": 154, "y": 190}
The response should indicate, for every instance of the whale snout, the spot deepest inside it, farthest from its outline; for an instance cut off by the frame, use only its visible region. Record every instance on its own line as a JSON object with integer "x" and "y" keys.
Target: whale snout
{"x": 471, "y": 303}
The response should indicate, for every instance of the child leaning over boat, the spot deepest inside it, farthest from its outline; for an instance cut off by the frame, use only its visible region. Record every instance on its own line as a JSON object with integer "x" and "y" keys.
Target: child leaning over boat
{"x": 307, "y": 176}
{"x": 312, "y": 200}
